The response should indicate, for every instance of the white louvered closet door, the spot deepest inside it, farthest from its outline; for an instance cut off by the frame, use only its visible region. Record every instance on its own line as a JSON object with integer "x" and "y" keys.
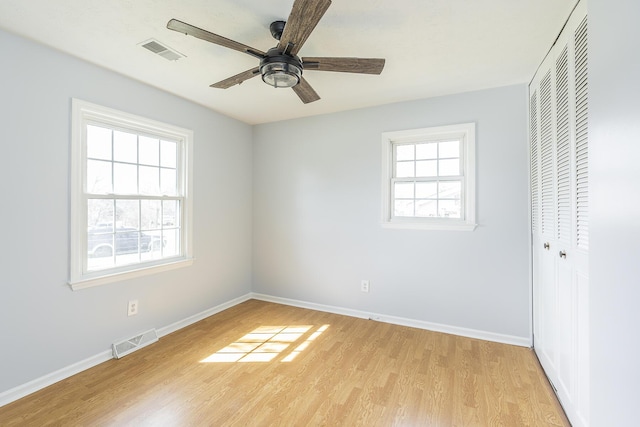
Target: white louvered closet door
{"x": 558, "y": 104}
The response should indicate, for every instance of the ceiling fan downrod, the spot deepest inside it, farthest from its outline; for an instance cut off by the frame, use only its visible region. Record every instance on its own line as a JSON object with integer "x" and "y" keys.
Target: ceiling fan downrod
{"x": 276, "y": 28}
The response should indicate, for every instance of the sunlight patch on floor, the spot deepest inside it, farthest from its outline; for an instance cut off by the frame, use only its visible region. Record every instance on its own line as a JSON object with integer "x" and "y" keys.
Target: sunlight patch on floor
{"x": 300, "y": 348}
{"x": 266, "y": 343}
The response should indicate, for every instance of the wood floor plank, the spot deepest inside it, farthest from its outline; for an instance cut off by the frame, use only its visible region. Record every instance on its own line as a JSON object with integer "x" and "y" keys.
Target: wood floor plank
{"x": 265, "y": 364}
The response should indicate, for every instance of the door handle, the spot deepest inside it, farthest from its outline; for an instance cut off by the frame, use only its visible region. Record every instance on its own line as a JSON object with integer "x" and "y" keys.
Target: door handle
{"x": 546, "y": 245}
{"x": 563, "y": 254}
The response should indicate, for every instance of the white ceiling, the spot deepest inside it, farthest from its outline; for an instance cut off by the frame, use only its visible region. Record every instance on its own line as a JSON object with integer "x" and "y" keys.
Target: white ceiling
{"x": 432, "y": 47}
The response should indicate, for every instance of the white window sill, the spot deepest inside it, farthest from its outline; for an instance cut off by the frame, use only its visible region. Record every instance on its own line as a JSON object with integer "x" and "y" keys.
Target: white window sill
{"x": 83, "y": 283}
{"x": 429, "y": 226}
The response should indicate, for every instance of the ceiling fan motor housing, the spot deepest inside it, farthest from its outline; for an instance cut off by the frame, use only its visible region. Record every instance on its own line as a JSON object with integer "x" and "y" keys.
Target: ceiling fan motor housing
{"x": 279, "y": 69}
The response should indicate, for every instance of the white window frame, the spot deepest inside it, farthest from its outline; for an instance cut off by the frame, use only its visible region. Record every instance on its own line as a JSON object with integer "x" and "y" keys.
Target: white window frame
{"x": 466, "y": 133}
{"x": 82, "y": 113}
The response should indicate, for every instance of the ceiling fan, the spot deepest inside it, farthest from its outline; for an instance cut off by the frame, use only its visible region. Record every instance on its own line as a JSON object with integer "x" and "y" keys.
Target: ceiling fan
{"x": 280, "y": 66}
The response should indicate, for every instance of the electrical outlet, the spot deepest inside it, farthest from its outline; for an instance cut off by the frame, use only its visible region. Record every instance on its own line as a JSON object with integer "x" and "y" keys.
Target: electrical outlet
{"x": 132, "y": 308}
{"x": 364, "y": 285}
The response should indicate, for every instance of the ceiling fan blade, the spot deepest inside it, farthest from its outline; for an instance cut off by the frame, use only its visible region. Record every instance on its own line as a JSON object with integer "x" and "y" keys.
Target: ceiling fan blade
{"x": 305, "y": 91}
{"x": 303, "y": 18}
{"x": 183, "y": 27}
{"x": 237, "y": 79}
{"x": 344, "y": 65}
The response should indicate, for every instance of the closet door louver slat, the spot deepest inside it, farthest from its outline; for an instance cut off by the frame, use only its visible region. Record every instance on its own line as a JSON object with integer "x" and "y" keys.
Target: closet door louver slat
{"x": 533, "y": 123}
{"x": 582, "y": 149}
{"x": 546, "y": 158}
{"x": 563, "y": 160}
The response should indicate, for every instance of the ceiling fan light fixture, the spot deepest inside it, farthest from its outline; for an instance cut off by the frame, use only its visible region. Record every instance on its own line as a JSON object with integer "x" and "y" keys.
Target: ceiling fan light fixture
{"x": 281, "y": 74}
{"x": 280, "y": 70}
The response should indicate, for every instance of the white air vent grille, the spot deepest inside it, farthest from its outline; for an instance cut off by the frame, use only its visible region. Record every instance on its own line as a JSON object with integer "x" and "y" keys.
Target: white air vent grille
{"x": 124, "y": 347}
{"x": 160, "y": 49}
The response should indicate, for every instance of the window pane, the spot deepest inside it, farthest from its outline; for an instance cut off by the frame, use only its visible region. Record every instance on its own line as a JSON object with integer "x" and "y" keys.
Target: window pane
{"x": 404, "y": 169}
{"x": 98, "y": 143}
{"x": 426, "y": 168}
{"x": 449, "y": 149}
{"x": 127, "y": 213}
{"x": 99, "y": 177}
{"x": 426, "y": 208}
{"x": 427, "y": 151}
{"x": 127, "y": 245}
{"x": 100, "y": 213}
{"x": 404, "y": 152}
{"x": 151, "y": 211}
{"x": 426, "y": 190}
{"x": 125, "y": 178}
{"x": 100, "y": 233}
{"x": 149, "y": 180}
{"x": 449, "y": 208}
{"x": 125, "y": 147}
{"x": 450, "y": 190}
{"x": 170, "y": 213}
{"x": 168, "y": 181}
{"x": 403, "y": 208}
{"x": 168, "y": 154}
{"x": 449, "y": 167}
{"x": 171, "y": 242}
{"x": 403, "y": 190}
{"x": 100, "y": 244}
{"x": 151, "y": 245}
{"x": 149, "y": 151}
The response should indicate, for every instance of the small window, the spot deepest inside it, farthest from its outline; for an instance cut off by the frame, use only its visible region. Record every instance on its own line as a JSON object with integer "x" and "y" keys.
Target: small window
{"x": 130, "y": 199}
{"x": 428, "y": 179}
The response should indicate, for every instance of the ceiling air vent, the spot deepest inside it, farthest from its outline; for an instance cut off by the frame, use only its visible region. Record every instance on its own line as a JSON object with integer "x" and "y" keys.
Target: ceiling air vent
{"x": 162, "y": 50}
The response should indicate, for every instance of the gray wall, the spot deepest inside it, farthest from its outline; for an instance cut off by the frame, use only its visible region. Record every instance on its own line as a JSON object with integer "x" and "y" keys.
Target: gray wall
{"x": 614, "y": 258}
{"x": 317, "y": 214}
{"x": 44, "y": 326}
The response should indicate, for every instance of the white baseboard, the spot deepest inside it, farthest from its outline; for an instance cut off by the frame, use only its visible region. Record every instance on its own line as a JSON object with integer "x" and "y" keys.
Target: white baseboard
{"x": 23, "y": 390}
{"x": 420, "y": 324}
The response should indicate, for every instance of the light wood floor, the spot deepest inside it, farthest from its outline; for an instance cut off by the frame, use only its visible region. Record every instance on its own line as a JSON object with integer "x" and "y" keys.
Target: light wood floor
{"x": 263, "y": 364}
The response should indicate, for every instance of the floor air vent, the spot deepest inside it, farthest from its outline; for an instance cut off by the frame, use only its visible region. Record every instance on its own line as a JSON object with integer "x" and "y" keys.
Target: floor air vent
{"x": 122, "y": 348}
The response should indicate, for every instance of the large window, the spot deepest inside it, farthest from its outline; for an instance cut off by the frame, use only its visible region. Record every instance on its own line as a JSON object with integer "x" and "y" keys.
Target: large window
{"x": 130, "y": 197}
{"x": 429, "y": 178}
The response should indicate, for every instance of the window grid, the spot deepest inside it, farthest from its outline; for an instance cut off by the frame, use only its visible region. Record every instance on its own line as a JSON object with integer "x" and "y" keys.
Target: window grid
{"x": 164, "y": 228}
{"x": 120, "y": 235}
{"x": 412, "y": 205}
{"x": 163, "y": 172}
